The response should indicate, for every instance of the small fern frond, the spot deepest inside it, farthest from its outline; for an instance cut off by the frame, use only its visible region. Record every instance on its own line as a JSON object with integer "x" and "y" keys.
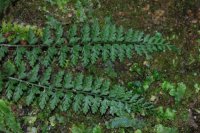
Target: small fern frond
{"x": 63, "y": 56}
{"x": 46, "y": 38}
{"x": 31, "y": 37}
{"x": 49, "y": 56}
{"x": 3, "y": 52}
{"x": 33, "y": 56}
{"x": 19, "y": 53}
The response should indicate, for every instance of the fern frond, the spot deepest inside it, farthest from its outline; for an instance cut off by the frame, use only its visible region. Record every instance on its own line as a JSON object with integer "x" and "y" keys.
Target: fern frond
{"x": 120, "y": 34}
{"x": 86, "y": 54}
{"x": 44, "y": 80}
{"x": 73, "y": 38}
{"x": 3, "y": 52}
{"x": 33, "y": 55}
{"x": 122, "y": 122}
{"x": 75, "y": 52}
{"x": 10, "y": 86}
{"x": 9, "y": 68}
{"x": 121, "y": 52}
{"x": 84, "y": 94}
{"x": 78, "y": 81}
{"x": 113, "y": 35}
{"x": 21, "y": 70}
{"x": 1, "y": 82}
{"x": 86, "y": 34}
{"x": 19, "y": 90}
{"x": 95, "y": 32}
{"x": 33, "y": 74}
{"x": 31, "y": 37}
{"x": 67, "y": 101}
{"x": 113, "y": 52}
{"x": 63, "y": 56}
{"x": 55, "y": 99}
{"x": 46, "y": 38}
{"x": 87, "y": 85}
{"x": 68, "y": 83}
{"x": 87, "y": 102}
{"x": 58, "y": 79}
{"x": 77, "y": 102}
{"x": 59, "y": 35}
{"x": 19, "y": 53}
{"x": 49, "y": 56}
{"x": 2, "y": 38}
{"x": 31, "y": 94}
{"x": 105, "y": 52}
{"x": 105, "y": 34}
{"x": 107, "y": 43}
{"x": 95, "y": 53}
{"x": 43, "y": 99}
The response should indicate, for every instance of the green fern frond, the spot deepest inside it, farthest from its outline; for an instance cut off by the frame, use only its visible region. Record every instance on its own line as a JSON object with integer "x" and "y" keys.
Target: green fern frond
{"x": 33, "y": 56}
{"x": 49, "y": 56}
{"x": 33, "y": 74}
{"x": 86, "y": 54}
{"x": 3, "y": 52}
{"x": 72, "y": 34}
{"x": 31, "y": 37}
{"x": 85, "y": 93}
{"x": 108, "y": 42}
{"x": 46, "y": 38}
{"x": 19, "y": 53}
{"x": 63, "y": 56}
{"x": 44, "y": 80}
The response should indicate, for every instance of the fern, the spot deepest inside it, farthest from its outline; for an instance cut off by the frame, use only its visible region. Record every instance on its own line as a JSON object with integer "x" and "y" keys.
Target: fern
{"x": 106, "y": 43}
{"x": 72, "y": 34}
{"x": 49, "y": 56}
{"x": 8, "y": 122}
{"x": 81, "y": 128}
{"x": 75, "y": 54}
{"x": 59, "y": 35}
{"x": 43, "y": 99}
{"x": 63, "y": 56}
{"x": 32, "y": 39}
{"x": 19, "y": 53}
{"x": 20, "y": 88}
{"x": 33, "y": 56}
{"x": 10, "y": 86}
{"x": 31, "y": 94}
{"x": 86, "y": 54}
{"x": 9, "y": 68}
{"x": 3, "y": 52}
{"x": 95, "y": 52}
{"x": 46, "y": 38}
{"x": 44, "y": 79}
{"x": 58, "y": 79}
{"x": 86, "y": 34}
{"x": 120, "y": 122}
{"x": 79, "y": 92}
{"x": 33, "y": 74}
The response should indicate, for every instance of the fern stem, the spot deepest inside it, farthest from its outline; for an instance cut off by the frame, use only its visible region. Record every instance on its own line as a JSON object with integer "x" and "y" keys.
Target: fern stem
{"x": 9, "y": 45}
{"x": 92, "y": 44}
{"x": 19, "y": 80}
